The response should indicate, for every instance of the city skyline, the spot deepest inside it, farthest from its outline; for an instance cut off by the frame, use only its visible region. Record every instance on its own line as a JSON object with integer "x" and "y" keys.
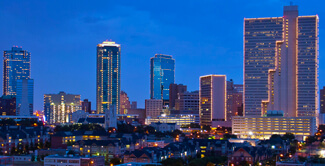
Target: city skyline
{"x": 49, "y": 78}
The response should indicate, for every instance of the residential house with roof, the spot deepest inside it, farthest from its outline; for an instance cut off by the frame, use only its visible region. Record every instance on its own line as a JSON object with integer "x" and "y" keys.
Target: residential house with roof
{"x": 107, "y": 148}
{"x": 239, "y": 157}
{"x": 20, "y": 136}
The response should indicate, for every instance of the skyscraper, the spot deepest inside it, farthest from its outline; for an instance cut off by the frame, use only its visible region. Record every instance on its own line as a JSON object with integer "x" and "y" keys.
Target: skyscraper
{"x": 281, "y": 64}
{"x": 174, "y": 90}
{"x": 16, "y": 65}
{"x": 280, "y": 76}
{"x": 25, "y": 97}
{"x": 213, "y": 94}
{"x": 162, "y": 74}
{"x": 108, "y": 76}
{"x": 58, "y": 108}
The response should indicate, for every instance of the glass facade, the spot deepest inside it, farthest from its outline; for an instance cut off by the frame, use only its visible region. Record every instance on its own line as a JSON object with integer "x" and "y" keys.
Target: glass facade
{"x": 108, "y": 76}
{"x": 162, "y": 74}
{"x": 25, "y": 97}
{"x": 16, "y": 65}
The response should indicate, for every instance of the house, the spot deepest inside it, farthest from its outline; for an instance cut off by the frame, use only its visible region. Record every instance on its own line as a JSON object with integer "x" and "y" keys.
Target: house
{"x": 18, "y": 137}
{"x": 107, "y": 148}
{"x": 239, "y": 157}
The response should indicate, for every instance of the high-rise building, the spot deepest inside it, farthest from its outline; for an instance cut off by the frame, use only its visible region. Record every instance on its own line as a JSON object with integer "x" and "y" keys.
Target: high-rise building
{"x": 8, "y": 105}
{"x": 213, "y": 94}
{"x": 174, "y": 90}
{"x": 125, "y": 103}
{"x": 16, "y": 79}
{"x": 281, "y": 64}
{"x": 188, "y": 102}
{"x": 24, "y": 97}
{"x": 86, "y": 106}
{"x": 153, "y": 107}
{"x": 16, "y": 65}
{"x": 108, "y": 76}
{"x": 281, "y": 76}
{"x": 234, "y": 99}
{"x": 58, "y": 108}
{"x": 162, "y": 74}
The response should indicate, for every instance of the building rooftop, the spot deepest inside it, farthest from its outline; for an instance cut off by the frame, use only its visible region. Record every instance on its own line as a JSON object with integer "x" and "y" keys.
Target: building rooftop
{"x": 108, "y": 43}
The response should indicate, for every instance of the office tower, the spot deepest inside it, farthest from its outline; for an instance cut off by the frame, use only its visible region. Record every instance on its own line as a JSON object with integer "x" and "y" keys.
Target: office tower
{"x": 134, "y": 105}
{"x": 174, "y": 90}
{"x": 162, "y": 74}
{"x": 86, "y": 106}
{"x": 59, "y": 107}
{"x": 281, "y": 64}
{"x": 108, "y": 76}
{"x": 281, "y": 75}
{"x": 153, "y": 107}
{"x": 188, "y": 102}
{"x": 24, "y": 97}
{"x": 234, "y": 99}
{"x": 8, "y": 105}
{"x": 125, "y": 103}
{"x": 16, "y": 65}
{"x": 213, "y": 96}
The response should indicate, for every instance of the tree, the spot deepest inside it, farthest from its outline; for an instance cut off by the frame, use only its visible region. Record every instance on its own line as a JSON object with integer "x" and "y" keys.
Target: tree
{"x": 115, "y": 161}
{"x": 47, "y": 144}
{"x": 173, "y": 162}
{"x": 275, "y": 136}
{"x": 206, "y": 127}
{"x": 288, "y": 136}
{"x": 310, "y": 140}
{"x": 228, "y": 136}
{"x": 176, "y": 132}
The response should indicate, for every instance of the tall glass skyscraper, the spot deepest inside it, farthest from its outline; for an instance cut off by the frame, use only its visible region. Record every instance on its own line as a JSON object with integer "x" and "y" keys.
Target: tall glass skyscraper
{"x": 16, "y": 65}
{"x": 16, "y": 79}
{"x": 162, "y": 74}
{"x": 108, "y": 76}
{"x": 281, "y": 64}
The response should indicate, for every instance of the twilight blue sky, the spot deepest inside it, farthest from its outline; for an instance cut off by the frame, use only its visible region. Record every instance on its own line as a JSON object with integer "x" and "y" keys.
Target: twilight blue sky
{"x": 204, "y": 37}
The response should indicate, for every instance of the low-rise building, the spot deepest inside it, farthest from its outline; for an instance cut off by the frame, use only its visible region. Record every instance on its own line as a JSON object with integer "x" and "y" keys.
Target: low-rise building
{"x": 107, "y": 148}
{"x": 56, "y": 160}
{"x": 165, "y": 127}
{"x": 17, "y": 137}
{"x": 264, "y": 127}
{"x": 179, "y": 119}
{"x": 7, "y": 160}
